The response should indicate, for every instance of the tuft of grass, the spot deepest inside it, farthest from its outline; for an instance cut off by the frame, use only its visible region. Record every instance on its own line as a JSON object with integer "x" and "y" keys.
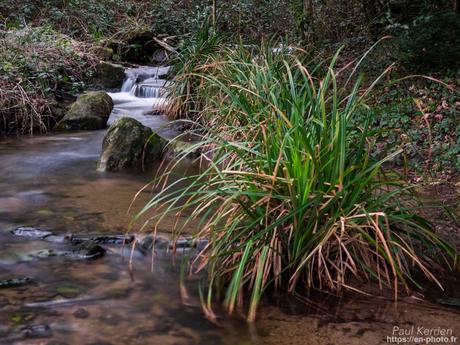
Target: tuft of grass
{"x": 194, "y": 52}
{"x": 290, "y": 196}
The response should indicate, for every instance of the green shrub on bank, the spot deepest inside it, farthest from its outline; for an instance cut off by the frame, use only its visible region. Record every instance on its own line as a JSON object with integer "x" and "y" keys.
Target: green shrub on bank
{"x": 291, "y": 196}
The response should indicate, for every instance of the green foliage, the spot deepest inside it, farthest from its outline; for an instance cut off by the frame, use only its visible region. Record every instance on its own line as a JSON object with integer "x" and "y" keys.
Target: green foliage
{"x": 291, "y": 196}
{"x": 432, "y": 42}
{"x": 36, "y": 64}
{"x": 431, "y": 144}
{"x": 78, "y": 18}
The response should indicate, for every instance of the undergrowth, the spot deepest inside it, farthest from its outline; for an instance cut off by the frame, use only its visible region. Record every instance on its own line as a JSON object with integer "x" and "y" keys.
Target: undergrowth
{"x": 37, "y": 66}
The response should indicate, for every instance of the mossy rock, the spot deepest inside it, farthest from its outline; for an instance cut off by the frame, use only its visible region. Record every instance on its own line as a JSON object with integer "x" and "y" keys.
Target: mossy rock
{"x": 110, "y": 75}
{"x": 103, "y": 53}
{"x": 129, "y": 145}
{"x": 90, "y": 111}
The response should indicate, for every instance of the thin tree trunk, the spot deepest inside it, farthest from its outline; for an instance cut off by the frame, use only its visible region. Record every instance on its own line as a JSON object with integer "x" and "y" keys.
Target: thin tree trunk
{"x": 214, "y": 13}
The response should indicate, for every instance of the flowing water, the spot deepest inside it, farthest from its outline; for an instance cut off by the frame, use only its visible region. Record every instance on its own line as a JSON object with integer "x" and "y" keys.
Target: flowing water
{"x": 51, "y": 182}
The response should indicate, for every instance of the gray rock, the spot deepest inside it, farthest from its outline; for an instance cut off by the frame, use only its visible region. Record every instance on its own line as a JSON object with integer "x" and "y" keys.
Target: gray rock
{"x": 36, "y": 331}
{"x": 110, "y": 75}
{"x": 129, "y": 145}
{"x": 178, "y": 149}
{"x": 28, "y": 231}
{"x": 87, "y": 250}
{"x": 89, "y": 112}
{"x": 146, "y": 244}
{"x": 103, "y": 239}
{"x": 15, "y": 282}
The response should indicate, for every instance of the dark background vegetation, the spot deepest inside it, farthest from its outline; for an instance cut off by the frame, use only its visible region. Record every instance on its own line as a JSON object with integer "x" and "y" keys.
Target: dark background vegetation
{"x": 424, "y": 39}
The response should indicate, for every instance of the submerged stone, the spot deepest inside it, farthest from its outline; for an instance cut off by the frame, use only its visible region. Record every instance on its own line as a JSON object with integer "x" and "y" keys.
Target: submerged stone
{"x": 129, "y": 145}
{"x": 36, "y": 331}
{"x": 147, "y": 243}
{"x": 103, "y": 239}
{"x": 84, "y": 251}
{"x": 87, "y": 250}
{"x": 15, "y": 282}
{"x": 89, "y": 112}
{"x": 28, "y": 231}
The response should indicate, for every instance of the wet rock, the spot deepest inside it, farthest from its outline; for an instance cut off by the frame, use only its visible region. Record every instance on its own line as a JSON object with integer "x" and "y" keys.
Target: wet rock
{"x": 56, "y": 238}
{"x": 110, "y": 75}
{"x": 105, "y": 239}
{"x": 189, "y": 243}
{"x": 15, "y": 282}
{"x": 129, "y": 145}
{"x": 81, "y": 313}
{"x": 28, "y": 231}
{"x": 146, "y": 244}
{"x": 84, "y": 251}
{"x": 36, "y": 331}
{"x": 43, "y": 254}
{"x": 87, "y": 250}
{"x": 180, "y": 149}
{"x": 89, "y": 112}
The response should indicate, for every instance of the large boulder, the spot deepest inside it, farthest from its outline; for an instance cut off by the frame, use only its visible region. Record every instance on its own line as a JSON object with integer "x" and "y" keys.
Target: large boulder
{"x": 90, "y": 111}
{"x": 129, "y": 145}
{"x": 110, "y": 75}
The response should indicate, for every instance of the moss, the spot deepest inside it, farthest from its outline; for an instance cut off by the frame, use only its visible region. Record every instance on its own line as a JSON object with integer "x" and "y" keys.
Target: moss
{"x": 90, "y": 111}
{"x": 129, "y": 145}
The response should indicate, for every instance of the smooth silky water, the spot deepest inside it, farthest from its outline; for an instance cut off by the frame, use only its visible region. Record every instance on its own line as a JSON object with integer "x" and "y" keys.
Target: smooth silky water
{"x": 51, "y": 182}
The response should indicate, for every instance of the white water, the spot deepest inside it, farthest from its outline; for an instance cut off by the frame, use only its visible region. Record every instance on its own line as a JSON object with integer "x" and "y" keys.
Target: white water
{"x": 142, "y": 95}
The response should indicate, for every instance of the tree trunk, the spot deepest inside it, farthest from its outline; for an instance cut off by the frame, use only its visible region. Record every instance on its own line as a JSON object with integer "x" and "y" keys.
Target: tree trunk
{"x": 214, "y": 13}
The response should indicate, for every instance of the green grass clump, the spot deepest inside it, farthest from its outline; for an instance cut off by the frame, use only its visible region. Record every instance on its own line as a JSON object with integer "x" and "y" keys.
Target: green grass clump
{"x": 192, "y": 56}
{"x": 290, "y": 196}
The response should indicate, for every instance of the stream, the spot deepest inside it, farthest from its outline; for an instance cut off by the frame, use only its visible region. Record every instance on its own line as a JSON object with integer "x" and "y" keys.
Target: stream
{"x": 50, "y": 182}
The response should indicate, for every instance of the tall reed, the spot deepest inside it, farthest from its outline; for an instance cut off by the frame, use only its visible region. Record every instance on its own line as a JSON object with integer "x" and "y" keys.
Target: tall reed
{"x": 290, "y": 196}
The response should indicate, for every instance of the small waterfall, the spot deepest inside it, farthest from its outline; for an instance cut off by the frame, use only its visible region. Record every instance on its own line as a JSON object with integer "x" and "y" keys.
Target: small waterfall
{"x": 145, "y": 82}
{"x": 149, "y": 88}
{"x": 128, "y": 84}
{"x": 142, "y": 95}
